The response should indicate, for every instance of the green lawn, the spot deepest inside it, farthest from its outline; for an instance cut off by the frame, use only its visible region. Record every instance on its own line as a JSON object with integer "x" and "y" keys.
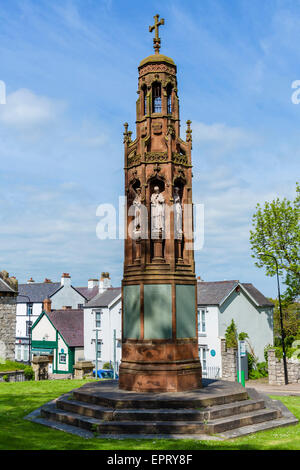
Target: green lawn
{"x": 19, "y": 399}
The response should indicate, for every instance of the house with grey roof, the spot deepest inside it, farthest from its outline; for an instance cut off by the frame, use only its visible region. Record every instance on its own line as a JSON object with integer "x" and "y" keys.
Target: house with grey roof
{"x": 102, "y": 327}
{"x": 62, "y": 294}
{"x": 220, "y": 302}
{"x": 58, "y": 334}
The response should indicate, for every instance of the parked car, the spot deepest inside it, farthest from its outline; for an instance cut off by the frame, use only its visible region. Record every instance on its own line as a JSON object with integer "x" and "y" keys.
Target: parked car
{"x": 105, "y": 374}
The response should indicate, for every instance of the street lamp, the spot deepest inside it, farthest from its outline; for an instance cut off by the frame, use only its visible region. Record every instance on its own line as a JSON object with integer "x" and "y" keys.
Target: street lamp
{"x": 286, "y": 380}
{"x": 29, "y": 332}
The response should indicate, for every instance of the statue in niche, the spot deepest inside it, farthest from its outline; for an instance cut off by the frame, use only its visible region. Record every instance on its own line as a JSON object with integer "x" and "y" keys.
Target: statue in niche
{"x": 157, "y": 211}
{"x": 137, "y": 203}
{"x": 177, "y": 214}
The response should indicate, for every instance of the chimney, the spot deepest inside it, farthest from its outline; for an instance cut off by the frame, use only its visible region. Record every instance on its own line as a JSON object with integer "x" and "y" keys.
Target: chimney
{"x": 104, "y": 283}
{"x": 65, "y": 279}
{"x": 93, "y": 283}
{"x": 47, "y": 281}
{"x": 199, "y": 279}
{"x": 47, "y": 305}
{"x": 30, "y": 281}
{"x": 67, "y": 307}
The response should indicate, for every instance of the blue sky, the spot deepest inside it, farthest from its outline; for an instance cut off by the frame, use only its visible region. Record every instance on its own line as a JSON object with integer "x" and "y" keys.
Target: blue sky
{"x": 70, "y": 69}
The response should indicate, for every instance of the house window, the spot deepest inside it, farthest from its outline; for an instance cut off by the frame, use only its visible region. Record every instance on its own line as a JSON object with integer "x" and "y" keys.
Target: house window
{"x": 29, "y": 309}
{"x": 201, "y": 320}
{"x": 26, "y": 353}
{"x": 28, "y": 328}
{"x": 98, "y": 318}
{"x": 156, "y": 98}
{"x": 202, "y": 357}
{"x": 62, "y": 358}
{"x": 99, "y": 347}
{"x": 80, "y": 306}
{"x": 18, "y": 352}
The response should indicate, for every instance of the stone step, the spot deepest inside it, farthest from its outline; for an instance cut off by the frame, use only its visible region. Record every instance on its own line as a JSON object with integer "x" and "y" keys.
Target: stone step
{"x": 226, "y": 424}
{"x": 166, "y": 414}
{"x": 189, "y": 414}
{"x": 85, "y": 409}
{"x": 142, "y": 402}
{"x": 157, "y": 427}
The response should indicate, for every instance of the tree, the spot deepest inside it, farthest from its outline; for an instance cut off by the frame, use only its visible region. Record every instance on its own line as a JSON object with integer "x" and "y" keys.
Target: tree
{"x": 291, "y": 318}
{"x": 276, "y": 232}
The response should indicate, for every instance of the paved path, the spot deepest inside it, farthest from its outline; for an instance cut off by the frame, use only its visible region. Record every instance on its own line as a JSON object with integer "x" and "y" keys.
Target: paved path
{"x": 281, "y": 390}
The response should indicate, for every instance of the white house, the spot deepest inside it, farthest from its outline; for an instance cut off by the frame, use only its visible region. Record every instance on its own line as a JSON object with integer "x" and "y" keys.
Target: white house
{"x": 30, "y": 305}
{"x": 103, "y": 313}
{"x": 220, "y": 302}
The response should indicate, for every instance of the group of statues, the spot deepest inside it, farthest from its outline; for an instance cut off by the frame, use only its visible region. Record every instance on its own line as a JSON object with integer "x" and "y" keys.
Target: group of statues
{"x": 158, "y": 213}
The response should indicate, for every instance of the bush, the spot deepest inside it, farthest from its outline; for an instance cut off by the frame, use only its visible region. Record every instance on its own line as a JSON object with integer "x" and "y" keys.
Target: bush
{"x": 106, "y": 365}
{"x": 231, "y": 335}
{"x": 5, "y": 378}
{"x": 28, "y": 372}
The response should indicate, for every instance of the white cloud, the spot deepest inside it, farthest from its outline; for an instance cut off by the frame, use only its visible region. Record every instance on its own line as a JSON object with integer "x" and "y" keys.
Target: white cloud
{"x": 220, "y": 133}
{"x": 25, "y": 109}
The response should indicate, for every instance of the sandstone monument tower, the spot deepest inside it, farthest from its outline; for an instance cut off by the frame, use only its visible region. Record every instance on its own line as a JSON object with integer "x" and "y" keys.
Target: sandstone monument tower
{"x": 159, "y": 318}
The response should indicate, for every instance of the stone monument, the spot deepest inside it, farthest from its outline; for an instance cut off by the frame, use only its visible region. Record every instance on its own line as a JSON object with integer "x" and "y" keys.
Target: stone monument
{"x": 159, "y": 318}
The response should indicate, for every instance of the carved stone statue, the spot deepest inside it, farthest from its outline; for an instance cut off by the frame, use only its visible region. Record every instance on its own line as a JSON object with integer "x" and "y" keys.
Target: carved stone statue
{"x": 177, "y": 215}
{"x": 137, "y": 212}
{"x": 157, "y": 211}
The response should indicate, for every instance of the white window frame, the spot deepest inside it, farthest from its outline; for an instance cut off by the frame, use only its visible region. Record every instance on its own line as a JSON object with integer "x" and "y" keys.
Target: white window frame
{"x": 202, "y": 350}
{"x": 202, "y": 314}
{"x": 97, "y": 349}
{"x": 100, "y": 312}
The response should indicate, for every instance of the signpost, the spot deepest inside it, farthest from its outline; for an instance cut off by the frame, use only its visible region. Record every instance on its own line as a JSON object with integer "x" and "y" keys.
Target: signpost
{"x": 115, "y": 353}
{"x": 241, "y": 353}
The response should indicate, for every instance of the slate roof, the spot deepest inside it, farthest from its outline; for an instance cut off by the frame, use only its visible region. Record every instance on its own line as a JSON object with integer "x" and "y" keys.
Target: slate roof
{"x": 5, "y": 287}
{"x": 104, "y": 299}
{"x": 37, "y": 291}
{"x": 213, "y": 293}
{"x": 70, "y": 325}
{"x": 88, "y": 293}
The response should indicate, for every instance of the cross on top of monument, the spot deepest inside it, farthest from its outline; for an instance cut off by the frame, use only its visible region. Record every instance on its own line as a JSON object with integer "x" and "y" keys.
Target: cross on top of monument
{"x": 156, "y": 39}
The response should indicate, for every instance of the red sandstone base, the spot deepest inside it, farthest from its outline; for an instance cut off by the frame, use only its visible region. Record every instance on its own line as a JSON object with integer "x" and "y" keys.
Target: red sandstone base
{"x": 160, "y": 378}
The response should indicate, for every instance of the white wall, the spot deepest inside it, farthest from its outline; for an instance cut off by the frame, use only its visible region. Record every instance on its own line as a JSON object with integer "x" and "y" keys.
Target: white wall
{"x": 211, "y": 337}
{"x": 22, "y": 317}
{"x": 110, "y": 320}
{"x": 67, "y": 296}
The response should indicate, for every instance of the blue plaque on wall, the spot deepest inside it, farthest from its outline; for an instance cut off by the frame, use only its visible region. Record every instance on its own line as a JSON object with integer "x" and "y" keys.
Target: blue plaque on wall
{"x": 213, "y": 353}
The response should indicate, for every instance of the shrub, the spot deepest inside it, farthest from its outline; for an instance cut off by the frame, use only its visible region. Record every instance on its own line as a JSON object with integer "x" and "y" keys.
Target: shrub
{"x": 106, "y": 365}
{"x": 5, "y": 378}
{"x": 231, "y": 335}
{"x": 28, "y": 372}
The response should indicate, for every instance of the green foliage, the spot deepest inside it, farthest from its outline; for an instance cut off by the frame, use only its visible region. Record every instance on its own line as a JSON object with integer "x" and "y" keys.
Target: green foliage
{"x": 243, "y": 336}
{"x": 28, "y": 372}
{"x": 251, "y": 362}
{"x": 290, "y": 319}
{"x": 106, "y": 365}
{"x": 276, "y": 232}
{"x": 231, "y": 335}
{"x": 11, "y": 365}
{"x": 5, "y": 378}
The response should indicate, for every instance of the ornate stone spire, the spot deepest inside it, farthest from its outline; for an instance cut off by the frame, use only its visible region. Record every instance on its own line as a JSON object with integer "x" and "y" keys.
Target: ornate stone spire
{"x": 156, "y": 39}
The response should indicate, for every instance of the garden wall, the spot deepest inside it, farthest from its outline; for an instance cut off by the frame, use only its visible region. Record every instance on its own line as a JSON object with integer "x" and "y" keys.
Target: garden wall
{"x": 12, "y": 376}
{"x": 276, "y": 371}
